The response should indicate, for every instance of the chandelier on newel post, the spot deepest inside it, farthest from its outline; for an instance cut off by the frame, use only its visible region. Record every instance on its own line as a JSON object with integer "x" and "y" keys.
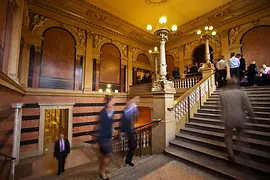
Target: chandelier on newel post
{"x": 162, "y": 32}
{"x": 206, "y": 35}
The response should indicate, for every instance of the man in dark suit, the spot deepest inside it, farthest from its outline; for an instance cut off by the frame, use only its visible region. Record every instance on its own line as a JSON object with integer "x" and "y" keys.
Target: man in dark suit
{"x": 61, "y": 150}
{"x": 127, "y": 125}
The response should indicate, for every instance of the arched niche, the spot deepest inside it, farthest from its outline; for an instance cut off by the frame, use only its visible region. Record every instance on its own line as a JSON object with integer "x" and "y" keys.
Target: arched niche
{"x": 104, "y": 41}
{"x": 142, "y": 58}
{"x": 198, "y": 54}
{"x": 255, "y": 46}
{"x": 58, "y": 62}
{"x": 135, "y": 59}
{"x": 48, "y": 23}
{"x": 110, "y": 64}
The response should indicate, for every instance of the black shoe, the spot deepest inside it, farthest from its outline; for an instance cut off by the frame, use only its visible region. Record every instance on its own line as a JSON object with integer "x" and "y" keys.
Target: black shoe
{"x": 231, "y": 158}
{"x": 58, "y": 173}
{"x": 63, "y": 171}
{"x": 131, "y": 164}
{"x": 101, "y": 178}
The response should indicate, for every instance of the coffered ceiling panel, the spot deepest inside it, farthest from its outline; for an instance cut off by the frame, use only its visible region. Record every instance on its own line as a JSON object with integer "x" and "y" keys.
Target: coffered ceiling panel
{"x": 143, "y": 12}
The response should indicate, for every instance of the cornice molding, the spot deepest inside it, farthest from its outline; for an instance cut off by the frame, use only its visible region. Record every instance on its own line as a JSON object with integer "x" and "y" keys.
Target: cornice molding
{"x": 10, "y": 84}
{"x": 147, "y": 39}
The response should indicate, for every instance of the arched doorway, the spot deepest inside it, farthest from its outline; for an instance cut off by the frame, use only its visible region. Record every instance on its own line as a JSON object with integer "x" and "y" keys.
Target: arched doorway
{"x": 255, "y": 46}
{"x": 199, "y": 54}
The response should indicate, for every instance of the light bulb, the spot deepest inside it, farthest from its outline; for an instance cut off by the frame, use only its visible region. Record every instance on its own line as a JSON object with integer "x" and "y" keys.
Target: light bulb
{"x": 206, "y": 28}
{"x": 214, "y": 33}
{"x": 150, "y": 51}
{"x": 155, "y": 49}
{"x": 108, "y": 90}
{"x": 116, "y": 91}
{"x": 100, "y": 90}
{"x": 199, "y": 32}
{"x": 149, "y": 27}
{"x": 174, "y": 28}
{"x": 109, "y": 85}
{"x": 162, "y": 20}
{"x": 211, "y": 28}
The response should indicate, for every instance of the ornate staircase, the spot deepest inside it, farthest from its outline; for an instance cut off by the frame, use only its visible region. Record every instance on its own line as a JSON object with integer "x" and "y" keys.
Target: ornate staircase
{"x": 201, "y": 141}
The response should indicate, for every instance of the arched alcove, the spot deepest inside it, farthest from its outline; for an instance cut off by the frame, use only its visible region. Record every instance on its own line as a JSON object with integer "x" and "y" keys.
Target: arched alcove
{"x": 143, "y": 59}
{"x": 58, "y": 62}
{"x": 110, "y": 64}
{"x": 255, "y": 45}
{"x": 199, "y": 54}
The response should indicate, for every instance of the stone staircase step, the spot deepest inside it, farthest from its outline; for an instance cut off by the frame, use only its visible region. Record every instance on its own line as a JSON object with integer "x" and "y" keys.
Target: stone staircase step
{"x": 212, "y": 164}
{"x": 254, "y": 104}
{"x": 253, "y": 143}
{"x": 252, "y": 99}
{"x": 218, "y": 128}
{"x": 249, "y": 125}
{"x": 256, "y": 168}
{"x": 260, "y": 102}
{"x": 250, "y": 95}
{"x": 218, "y": 111}
{"x": 243, "y": 149}
{"x": 257, "y": 109}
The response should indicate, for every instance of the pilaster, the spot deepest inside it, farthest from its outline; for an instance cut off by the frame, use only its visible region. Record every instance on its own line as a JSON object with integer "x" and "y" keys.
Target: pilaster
{"x": 15, "y": 40}
{"x": 24, "y": 65}
{"x": 88, "y": 65}
{"x": 129, "y": 68}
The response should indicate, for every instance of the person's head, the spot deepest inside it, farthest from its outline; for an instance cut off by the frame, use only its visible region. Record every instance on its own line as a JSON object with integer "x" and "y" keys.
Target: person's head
{"x": 253, "y": 62}
{"x": 264, "y": 66}
{"x": 238, "y": 55}
{"x": 232, "y": 83}
{"x": 222, "y": 57}
{"x": 61, "y": 135}
{"x": 232, "y": 54}
{"x": 109, "y": 101}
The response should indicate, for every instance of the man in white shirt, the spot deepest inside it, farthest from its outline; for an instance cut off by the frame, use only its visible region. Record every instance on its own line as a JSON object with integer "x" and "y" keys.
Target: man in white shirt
{"x": 61, "y": 150}
{"x": 234, "y": 66}
{"x": 222, "y": 72}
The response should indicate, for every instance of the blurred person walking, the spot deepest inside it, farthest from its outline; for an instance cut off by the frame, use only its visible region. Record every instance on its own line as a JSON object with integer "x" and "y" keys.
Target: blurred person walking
{"x": 234, "y": 102}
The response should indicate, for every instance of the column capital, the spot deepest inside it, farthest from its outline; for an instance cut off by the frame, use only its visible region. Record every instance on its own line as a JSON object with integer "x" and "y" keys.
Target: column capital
{"x": 17, "y": 105}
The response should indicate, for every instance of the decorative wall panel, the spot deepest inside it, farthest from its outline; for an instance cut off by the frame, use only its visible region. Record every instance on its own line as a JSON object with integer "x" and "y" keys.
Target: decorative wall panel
{"x": 110, "y": 64}
{"x": 3, "y": 20}
{"x": 170, "y": 64}
{"x": 255, "y": 46}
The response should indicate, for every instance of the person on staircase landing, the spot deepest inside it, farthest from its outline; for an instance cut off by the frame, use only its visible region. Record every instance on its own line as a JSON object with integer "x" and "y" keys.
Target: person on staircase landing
{"x": 242, "y": 67}
{"x": 234, "y": 66}
{"x": 127, "y": 123}
{"x": 234, "y": 102}
{"x": 105, "y": 136}
{"x": 221, "y": 72}
{"x": 61, "y": 151}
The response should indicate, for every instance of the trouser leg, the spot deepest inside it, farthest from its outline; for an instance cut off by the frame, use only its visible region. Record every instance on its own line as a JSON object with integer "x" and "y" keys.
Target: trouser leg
{"x": 132, "y": 144}
{"x": 228, "y": 140}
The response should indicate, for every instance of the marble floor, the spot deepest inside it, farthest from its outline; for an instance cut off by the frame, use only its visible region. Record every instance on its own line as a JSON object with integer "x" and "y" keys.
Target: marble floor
{"x": 46, "y": 165}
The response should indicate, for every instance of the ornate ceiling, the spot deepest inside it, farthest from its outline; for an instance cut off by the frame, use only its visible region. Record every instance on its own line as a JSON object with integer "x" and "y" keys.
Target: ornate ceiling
{"x": 143, "y": 12}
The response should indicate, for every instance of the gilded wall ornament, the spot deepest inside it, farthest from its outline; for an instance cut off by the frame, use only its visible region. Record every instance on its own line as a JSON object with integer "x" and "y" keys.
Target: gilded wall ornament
{"x": 234, "y": 32}
{"x": 81, "y": 35}
{"x": 123, "y": 48}
{"x": 156, "y": 2}
{"x": 37, "y": 22}
{"x": 97, "y": 39}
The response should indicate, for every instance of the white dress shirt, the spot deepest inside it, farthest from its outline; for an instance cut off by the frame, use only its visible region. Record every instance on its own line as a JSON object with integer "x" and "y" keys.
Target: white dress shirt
{"x": 62, "y": 145}
{"x": 221, "y": 65}
{"x": 234, "y": 62}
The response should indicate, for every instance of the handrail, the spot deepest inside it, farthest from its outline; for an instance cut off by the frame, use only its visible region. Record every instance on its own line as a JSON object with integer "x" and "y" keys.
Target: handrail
{"x": 192, "y": 77}
{"x": 7, "y": 156}
{"x": 189, "y": 91}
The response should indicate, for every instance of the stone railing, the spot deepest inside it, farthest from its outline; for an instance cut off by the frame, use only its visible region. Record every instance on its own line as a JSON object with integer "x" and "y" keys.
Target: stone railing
{"x": 186, "y": 82}
{"x": 188, "y": 104}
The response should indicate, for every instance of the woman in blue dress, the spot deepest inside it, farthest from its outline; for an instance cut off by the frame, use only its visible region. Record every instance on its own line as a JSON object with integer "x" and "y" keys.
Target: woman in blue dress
{"x": 105, "y": 136}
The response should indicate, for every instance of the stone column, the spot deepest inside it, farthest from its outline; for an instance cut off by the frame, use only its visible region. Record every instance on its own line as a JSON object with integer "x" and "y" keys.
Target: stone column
{"x": 25, "y": 65}
{"x": 163, "y": 65}
{"x": 155, "y": 57}
{"x": 207, "y": 51}
{"x": 15, "y": 40}
{"x": 88, "y": 67}
{"x": 225, "y": 49}
{"x": 17, "y": 131}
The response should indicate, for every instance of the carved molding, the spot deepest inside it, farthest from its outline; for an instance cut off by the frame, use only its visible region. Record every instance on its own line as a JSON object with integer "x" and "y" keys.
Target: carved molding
{"x": 81, "y": 34}
{"x": 122, "y": 48}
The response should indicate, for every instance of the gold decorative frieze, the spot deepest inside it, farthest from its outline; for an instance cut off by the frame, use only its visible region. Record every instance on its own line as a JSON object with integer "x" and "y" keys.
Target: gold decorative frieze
{"x": 81, "y": 34}
{"x": 156, "y": 2}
